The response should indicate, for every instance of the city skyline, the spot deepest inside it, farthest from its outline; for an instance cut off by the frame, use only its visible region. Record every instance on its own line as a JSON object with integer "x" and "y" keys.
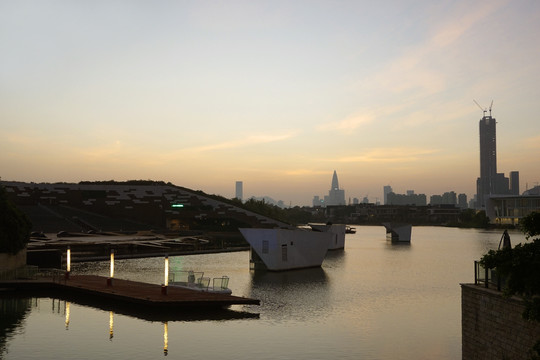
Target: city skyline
{"x": 277, "y": 94}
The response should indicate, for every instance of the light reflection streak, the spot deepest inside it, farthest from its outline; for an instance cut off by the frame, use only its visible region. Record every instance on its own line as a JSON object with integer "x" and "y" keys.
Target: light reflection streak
{"x": 67, "y": 305}
{"x": 111, "y": 325}
{"x": 165, "y": 338}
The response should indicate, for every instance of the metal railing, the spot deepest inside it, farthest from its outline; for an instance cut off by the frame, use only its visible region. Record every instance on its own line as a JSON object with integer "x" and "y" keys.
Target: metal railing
{"x": 196, "y": 279}
{"x": 31, "y": 272}
{"x": 57, "y": 275}
{"x": 27, "y": 272}
{"x": 487, "y": 277}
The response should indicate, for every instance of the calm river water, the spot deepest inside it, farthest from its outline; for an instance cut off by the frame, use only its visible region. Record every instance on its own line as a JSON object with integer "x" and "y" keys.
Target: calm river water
{"x": 374, "y": 300}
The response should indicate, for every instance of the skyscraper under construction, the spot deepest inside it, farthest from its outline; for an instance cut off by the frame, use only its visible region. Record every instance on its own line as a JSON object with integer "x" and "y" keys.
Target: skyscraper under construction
{"x": 490, "y": 182}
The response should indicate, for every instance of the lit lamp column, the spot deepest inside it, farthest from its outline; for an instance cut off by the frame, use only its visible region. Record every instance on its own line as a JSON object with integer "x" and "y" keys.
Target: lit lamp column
{"x": 68, "y": 262}
{"x": 110, "y": 279}
{"x": 166, "y": 280}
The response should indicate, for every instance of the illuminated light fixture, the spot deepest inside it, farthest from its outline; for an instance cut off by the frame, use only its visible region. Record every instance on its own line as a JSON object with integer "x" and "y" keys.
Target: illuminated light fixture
{"x": 166, "y": 280}
{"x": 177, "y": 205}
{"x": 110, "y": 278}
{"x": 68, "y": 261}
{"x": 112, "y": 263}
{"x": 166, "y": 271}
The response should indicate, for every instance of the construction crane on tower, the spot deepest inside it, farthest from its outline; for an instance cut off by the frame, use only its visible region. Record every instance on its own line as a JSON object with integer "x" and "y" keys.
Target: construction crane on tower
{"x": 484, "y": 110}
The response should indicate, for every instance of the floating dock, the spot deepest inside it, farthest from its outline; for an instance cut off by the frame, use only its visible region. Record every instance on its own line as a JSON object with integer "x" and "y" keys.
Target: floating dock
{"x": 129, "y": 293}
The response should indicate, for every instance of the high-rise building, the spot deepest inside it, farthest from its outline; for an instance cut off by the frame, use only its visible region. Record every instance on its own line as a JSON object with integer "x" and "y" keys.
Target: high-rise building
{"x": 514, "y": 182}
{"x": 462, "y": 201}
{"x": 386, "y": 190}
{"x": 239, "y": 190}
{"x": 490, "y": 182}
{"x": 486, "y": 183}
{"x": 317, "y": 201}
{"x": 336, "y": 196}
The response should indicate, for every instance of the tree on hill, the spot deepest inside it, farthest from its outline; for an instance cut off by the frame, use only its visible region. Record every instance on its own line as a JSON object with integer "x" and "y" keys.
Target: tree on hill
{"x": 14, "y": 226}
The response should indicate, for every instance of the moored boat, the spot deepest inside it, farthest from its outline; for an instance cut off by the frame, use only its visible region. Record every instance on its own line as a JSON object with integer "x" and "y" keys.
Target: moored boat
{"x": 286, "y": 249}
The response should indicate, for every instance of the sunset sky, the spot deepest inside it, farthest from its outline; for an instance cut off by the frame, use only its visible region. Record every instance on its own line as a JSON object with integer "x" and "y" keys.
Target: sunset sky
{"x": 277, "y": 94}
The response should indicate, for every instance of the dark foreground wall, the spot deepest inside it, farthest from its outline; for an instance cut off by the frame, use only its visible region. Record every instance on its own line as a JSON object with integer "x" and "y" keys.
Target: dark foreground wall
{"x": 492, "y": 326}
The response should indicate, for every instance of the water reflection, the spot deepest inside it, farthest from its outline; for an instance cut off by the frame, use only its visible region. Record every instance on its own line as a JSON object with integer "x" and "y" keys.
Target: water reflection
{"x": 12, "y": 314}
{"x": 166, "y": 338}
{"x": 14, "y": 310}
{"x": 111, "y": 325}
{"x": 283, "y": 294}
{"x": 67, "y": 311}
{"x": 373, "y": 300}
{"x": 398, "y": 246}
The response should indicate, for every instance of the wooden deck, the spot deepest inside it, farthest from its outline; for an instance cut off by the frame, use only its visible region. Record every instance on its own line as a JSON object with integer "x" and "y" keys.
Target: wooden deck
{"x": 132, "y": 292}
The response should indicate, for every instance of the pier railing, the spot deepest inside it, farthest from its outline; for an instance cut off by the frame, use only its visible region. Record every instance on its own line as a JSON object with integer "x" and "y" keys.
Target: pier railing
{"x": 56, "y": 275}
{"x": 487, "y": 277}
{"x": 31, "y": 272}
{"x": 196, "y": 279}
{"x": 27, "y": 272}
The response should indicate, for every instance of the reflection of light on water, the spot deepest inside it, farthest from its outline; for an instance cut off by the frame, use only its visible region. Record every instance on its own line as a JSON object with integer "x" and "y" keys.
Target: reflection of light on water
{"x": 165, "y": 338}
{"x": 111, "y": 324}
{"x": 67, "y": 314}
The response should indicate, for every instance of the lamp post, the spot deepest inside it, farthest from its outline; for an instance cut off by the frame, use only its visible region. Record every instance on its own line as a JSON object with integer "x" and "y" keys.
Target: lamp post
{"x": 166, "y": 280}
{"x": 111, "y": 275}
{"x": 68, "y": 262}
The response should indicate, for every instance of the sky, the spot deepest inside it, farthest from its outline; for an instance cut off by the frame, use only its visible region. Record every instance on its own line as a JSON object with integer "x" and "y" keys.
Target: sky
{"x": 277, "y": 94}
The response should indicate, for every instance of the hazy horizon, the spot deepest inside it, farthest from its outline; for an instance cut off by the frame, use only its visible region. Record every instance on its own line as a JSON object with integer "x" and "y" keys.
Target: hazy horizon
{"x": 275, "y": 94}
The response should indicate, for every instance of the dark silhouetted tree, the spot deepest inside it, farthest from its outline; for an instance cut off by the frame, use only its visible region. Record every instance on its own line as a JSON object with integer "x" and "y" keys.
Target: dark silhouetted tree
{"x": 14, "y": 226}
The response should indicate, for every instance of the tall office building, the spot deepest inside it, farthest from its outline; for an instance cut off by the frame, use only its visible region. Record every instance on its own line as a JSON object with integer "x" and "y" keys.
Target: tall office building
{"x": 386, "y": 190}
{"x": 336, "y": 196}
{"x": 239, "y": 190}
{"x": 514, "y": 182}
{"x": 462, "y": 201}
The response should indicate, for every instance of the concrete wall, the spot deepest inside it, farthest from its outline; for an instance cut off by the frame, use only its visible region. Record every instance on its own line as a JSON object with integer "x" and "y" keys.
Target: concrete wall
{"x": 492, "y": 326}
{"x": 10, "y": 262}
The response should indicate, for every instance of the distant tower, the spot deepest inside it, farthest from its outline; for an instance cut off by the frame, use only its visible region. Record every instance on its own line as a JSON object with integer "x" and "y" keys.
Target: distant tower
{"x": 514, "y": 182}
{"x": 462, "y": 201}
{"x": 486, "y": 183}
{"x": 239, "y": 190}
{"x": 336, "y": 196}
{"x": 386, "y": 190}
{"x": 335, "y": 183}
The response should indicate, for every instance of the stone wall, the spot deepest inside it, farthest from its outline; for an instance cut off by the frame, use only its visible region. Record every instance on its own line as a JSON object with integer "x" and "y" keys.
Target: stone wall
{"x": 492, "y": 326}
{"x": 11, "y": 262}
